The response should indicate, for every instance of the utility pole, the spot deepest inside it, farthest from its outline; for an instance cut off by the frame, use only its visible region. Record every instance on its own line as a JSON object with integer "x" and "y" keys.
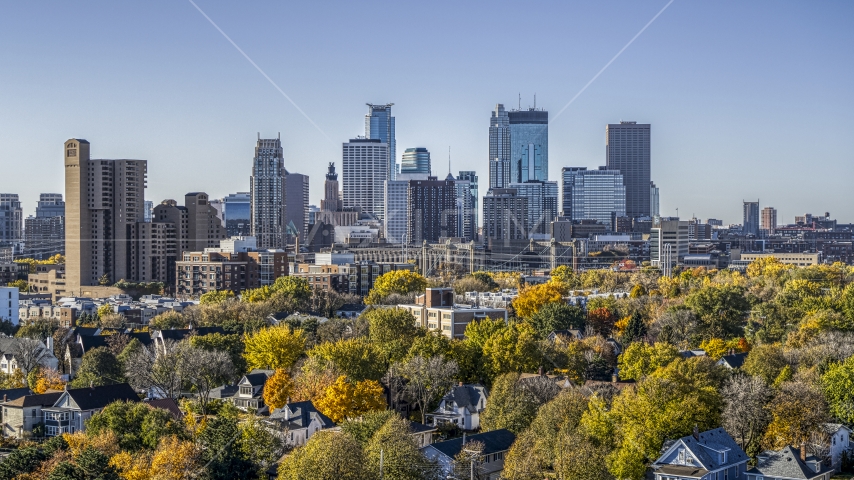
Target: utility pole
{"x": 381, "y": 464}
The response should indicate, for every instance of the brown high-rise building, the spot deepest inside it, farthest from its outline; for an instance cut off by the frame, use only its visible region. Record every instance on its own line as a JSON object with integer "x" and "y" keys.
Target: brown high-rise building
{"x": 104, "y": 199}
{"x": 432, "y": 209}
{"x": 769, "y": 220}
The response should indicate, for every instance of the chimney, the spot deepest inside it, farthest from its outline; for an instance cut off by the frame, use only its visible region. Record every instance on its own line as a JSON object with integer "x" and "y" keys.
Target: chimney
{"x": 460, "y": 384}
{"x": 464, "y": 438}
{"x": 696, "y": 432}
{"x": 540, "y": 371}
{"x": 803, "y": 452}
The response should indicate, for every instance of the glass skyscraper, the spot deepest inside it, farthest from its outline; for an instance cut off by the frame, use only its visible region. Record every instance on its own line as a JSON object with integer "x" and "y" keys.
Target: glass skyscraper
{"x": 598, "y": 195}
{"x": 415, "y": 160}
{"x": 529, "y": 145}
{"x": 379, "y": 124}
{"x": 751, "y": 218}
{"x": 627, "y": 150}
{"x": 542, "y": 205}
{"x": 567, "y": 180}
{"x": 471, "y": 177}
{"x": 499, "y": 148}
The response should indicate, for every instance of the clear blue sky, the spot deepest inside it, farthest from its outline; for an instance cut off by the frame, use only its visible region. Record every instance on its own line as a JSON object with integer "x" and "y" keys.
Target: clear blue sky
{"x": 746, "y": 99}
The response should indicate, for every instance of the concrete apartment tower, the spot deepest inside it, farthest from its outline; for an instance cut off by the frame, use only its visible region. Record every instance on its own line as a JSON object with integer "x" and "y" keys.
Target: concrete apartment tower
{"x": 627, "y": 149}
{"x": 365, "y": 171}
{"x": 267, "y": 193}
{"x": 769, "y": 220}
{"x": 104, "y": 200}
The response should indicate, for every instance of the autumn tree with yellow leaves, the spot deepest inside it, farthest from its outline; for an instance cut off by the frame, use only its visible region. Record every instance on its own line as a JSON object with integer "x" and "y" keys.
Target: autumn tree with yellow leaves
{"x": 274, "y": 347}
{"x": 344, "y": 399}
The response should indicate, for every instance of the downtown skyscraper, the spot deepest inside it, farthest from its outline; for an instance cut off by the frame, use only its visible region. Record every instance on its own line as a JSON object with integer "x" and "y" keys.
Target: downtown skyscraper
{"x": 379, "y": 125}
{"x": 267, "y": 194}
{"x": 627, "y": 150}
{"x": 529, "y": 145}
{"x": 365, "y": 170}
{"x": 499, "y": 148}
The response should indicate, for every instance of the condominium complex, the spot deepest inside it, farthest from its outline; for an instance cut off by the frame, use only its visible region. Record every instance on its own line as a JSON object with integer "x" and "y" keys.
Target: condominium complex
{"x": 466, "y": 204}
{"x": 396, "y": 209}
{"x": 499, "y": 148}
{"x": 207, "y": 271}
{"x": 379, "y": 125}
{"x": 769, "y": 220}
{"x": 237, "y": 214}
{"x": 365, "y": 170}
{"x": 44, "y": 234}
{"x": 267, "y": 193}
{"x": 627, "y": 149}
{"x": 505, "y": 215}
{"x": 567, "y": 177}
{"x": 529, "y": 145}
{"x": 104, "y": 199}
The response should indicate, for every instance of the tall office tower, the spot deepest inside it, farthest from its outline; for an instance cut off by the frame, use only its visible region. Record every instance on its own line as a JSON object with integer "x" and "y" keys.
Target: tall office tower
{"x": 471, "y": 177}
{"x": 432, "y": 210}
{"x": 331, "y": 201}
{"x": 365, "y": 168}
{"x": 379, "y": 125}
{"x": 542, "y": 205}
{"x": 505, "y": 215}
{"x": 296, "y": 202}
{"x": 44, "y": 234}
{"x": 627, "y": 150}
{"x": 567, "y": 176}
{"x": 653, "y": 200}
{"x": 464, "y": 209}
{"x": 237, "y": 214}
{"x": 11, "y": 219}
{"x": 769, "y": 220}
{"x": 529, "y": 145}
{"x": 499, "y": 148}
{"x": 664, "y": 232}
{"x": 104, "y": 201}
{"x": 415, "y": 161}
{"x": 599, "y": 195}
{"x": 396, "y": 210}
{"x": 267, "y": 192}
{"x": 750, "y": 226}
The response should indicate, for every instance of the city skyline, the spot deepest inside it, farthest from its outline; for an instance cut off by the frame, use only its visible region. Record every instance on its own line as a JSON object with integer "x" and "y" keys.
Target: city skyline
{"x": 707, "y": 108}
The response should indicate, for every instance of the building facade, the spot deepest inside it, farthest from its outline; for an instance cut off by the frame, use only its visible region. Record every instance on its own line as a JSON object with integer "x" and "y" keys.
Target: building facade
{"x": 365, "y": 169}
{"x": 397, "y": 211}
{"x": 499, "y": 148}
{"x": 627, "y": 149}
{"x": 465, "y": 213}
{"x": 202, "y": 272}
{"x": 267, "y": 194}
{"x": 567, "y": 180}
{"x": 505, "y": 215}
{"x": 296, "y": 202}
{"x": 542, "y": 205}
{"x": 654, "y": 200}
{"x": 44, "y": 234}
{"x": 769, "y": 220}
{"x": 668, "y": 239}
{"x": 471, "y": 177}
{"x": 750, "y": 225}
{"x": 529, "y": 145}
{"x": 379, "y": 125}
{"x": 415, "y": 160}
{"x": 11, "y": 219}
{"x": 432, "y": 209}
{"x": 237, "y": 214}
{"x": 598, "y": 195}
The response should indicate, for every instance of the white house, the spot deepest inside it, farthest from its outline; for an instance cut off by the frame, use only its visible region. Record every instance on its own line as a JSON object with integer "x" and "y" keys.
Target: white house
{"x": 297, "y": 422}
{"x": 709, "y": 455}
{"x": 75, "y": 406}
{"x": 250, "y": 390}
{"x": 489, "y": 462}
{"x": 9, "y": 304}
{"x": 462, "y": 406}
{"x": 10, "y": 348}
{"x": 838, "y": 442}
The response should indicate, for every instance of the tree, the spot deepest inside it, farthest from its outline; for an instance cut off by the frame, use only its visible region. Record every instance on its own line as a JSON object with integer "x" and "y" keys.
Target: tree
{"x": 635, "y": 329}
{"x": 173, "y": 458}
{"x": 428, "y": 379}
{"x": 393, "y": 454}
{"x": 328, "y": 455}
{"x": 205, "y": 370}
{"x": 838, "y": 385}
{"x": 720, "y": 308}
{"x": 220, "y": 451}
{"x": 715, "y": 348}
{"x": 48, "y": 379}
{"x": 430, "y": 345}
{"x": 21, "y": 285}
{"x": 557, "y": 316}
{"x": 641, "y": 359}
{"x": 531, "y": 299}
{"x": 217, "y": 296}
{"x": 98, "y": 367}
{"x": 232, "y": 344}
{"x": 157, "y": 372}
{"x": 168, "y": 320}
{"x": 676, "y": 326}
{"x": 401, "y": 282}
{"x": 745, "y": 415}
{"x": 798, "y": 410}
{"x": 316, "y": 375}
{"x": 391, "y": 330}
{"x": 295, "y": 288}
{"x": 513, "y": 405}
{"x": 278, "y": 389}
{"x": 357, "y": 358}
{"x": 274, "y": 347}
{"x": 345, "y": 399}
{"x": 513, "y": 349}
{"x": 765, "y": 361}
{"x": 363, "y": 428}
{"x": 137, "y": 426}
{"x": 259, "y": 444}
{"x": 600, "y": 321}
{"x": 28, "y": 354}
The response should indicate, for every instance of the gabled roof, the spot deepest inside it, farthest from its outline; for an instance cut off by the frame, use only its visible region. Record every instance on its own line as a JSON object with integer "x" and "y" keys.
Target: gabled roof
{"x": 167, "y": 404}
{"x": 494, "y": 442}
{"x": 143, "y": 337}
{"x": 85, "y": 331}
{"x": 733, "y": 361}
{"x": 786, "y": 464}
{"x": 43, "y": 400}
{"x": 7, "y": 345}
{"x": 299, "y": 415}
{"x": 88, "y": 343}
{"x": 705, "y": 449}
{"x": 14, "y": 393}
{"x": 225, "y": 391}
{"x": 416, "y": 427}
{"x": 99, "y": 397}
{"x": 466, "y": 396}
{"x": 256, "y": 379}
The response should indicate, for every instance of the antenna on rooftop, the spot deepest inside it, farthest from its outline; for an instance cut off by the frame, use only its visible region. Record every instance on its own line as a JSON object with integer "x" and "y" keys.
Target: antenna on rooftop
{"x": 449, "y": 159}
{"x": 520, "y": 100}
{"x": 535, "y": 101}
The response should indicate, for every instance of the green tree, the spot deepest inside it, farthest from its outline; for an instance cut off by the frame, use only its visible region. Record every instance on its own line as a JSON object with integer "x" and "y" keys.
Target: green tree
{"x": 635, "y": 329}
{"x": 765, "y": 361}
{"x": 363, "y": 428}
{"x": 513, "y": 402}
{"x": 168, "y": 320}
{"x": 641, "y": 359}
{"x": 392, "y": 450}
{"x": 328, "y": 455}
{"x": 391, "y": 330}
{"x": 720, "y": 308}
{"x": 430, "y": 345}
{"x": 221, "y": 453}
{"x": 838, "y": 385}
{"x": 232, "y": 344}
{"x": 137, "y": 426}
{"x": 98, "y": 367}
{"x": 513, "y": 349}
{"x": 557, "y": 316}
{"x": 401, "y": 282}
{"x": 22, "y": 285}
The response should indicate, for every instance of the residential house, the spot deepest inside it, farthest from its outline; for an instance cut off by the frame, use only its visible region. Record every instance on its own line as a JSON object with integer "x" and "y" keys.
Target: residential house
{"x": 350, "y": 310}
{"x": 462, "y": 406}
{"x": 70, "y": 412}
{"x": 168, "y": 404}
{"x": 564, "y": 336}
{"x": 250, "y": 391}
{"x": 23, "y": 413}
{"x": 423, "y": 434}
{"x": 733, "y": 361}
{"x": 490, "y": 462}
{"x": 10, "y": 347}
{"x": 838, "y": 441}
{"x": 710, "y": 455}
{"x": 160, "y": 337}
{"x": 789, "y": 464}
{"x": 297, "y": 422}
